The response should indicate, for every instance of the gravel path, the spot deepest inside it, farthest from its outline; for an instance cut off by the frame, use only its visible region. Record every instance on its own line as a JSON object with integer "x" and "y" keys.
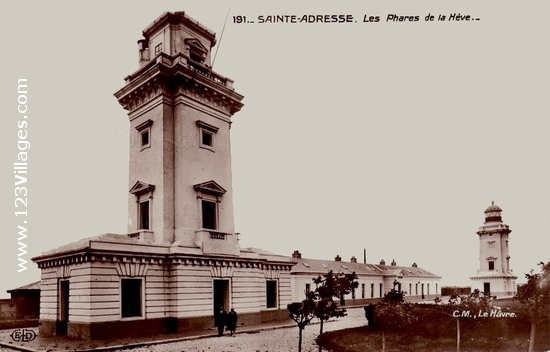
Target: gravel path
{"x": 277, "y": 340}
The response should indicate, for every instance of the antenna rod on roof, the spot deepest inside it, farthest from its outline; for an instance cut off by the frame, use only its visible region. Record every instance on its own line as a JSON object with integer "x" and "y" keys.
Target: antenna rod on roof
{"x": 221, "y": 36}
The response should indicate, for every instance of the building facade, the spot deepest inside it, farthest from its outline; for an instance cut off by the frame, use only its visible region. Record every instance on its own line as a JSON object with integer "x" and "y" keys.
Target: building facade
{"x": 494, "y": 277}
{"x": 375, "y": 280}
{"x": 180, "y": 260}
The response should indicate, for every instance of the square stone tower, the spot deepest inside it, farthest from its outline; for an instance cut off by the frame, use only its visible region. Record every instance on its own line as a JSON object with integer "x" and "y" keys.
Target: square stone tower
{"x": 180, "y": 156}
{"x": 180, "y": 261}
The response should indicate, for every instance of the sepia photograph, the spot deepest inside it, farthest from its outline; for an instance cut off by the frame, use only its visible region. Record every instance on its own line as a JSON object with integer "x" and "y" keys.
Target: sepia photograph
{"x": 275, "y": 176}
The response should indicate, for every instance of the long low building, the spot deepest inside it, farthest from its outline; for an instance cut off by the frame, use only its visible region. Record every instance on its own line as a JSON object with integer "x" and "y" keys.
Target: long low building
{"x": 375, "y": 280}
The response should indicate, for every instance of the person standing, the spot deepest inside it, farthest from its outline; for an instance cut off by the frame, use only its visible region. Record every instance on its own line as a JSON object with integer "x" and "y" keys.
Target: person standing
{"x": 220, "y": 320}
{"x": 232, "y": 321}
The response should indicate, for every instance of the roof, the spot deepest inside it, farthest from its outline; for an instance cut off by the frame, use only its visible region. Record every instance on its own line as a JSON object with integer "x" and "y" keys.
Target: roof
{"x": 86, "y": 243}
{"x": 28, "y": 287}
{"x": 178, "y": 17}
{"x": 320, "y": 266}
{"x": 492, "y": 208}
{"x": 408, "y": 271}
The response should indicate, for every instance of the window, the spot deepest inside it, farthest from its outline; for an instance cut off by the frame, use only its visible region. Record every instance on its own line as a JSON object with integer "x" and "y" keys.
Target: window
{"x": 371, "y": 290}
{"x": 209, "y": 216}
{"x": 428, "y": 288}
{"x": 197, "y": 51}
{"x": 144, "y": 215}
{"x": 491, "y": 265}
{"x": 381, "y": 290}
{"x": 144, "y": 130}
{"x": 353, "y": 293}
{"x": 271, "y": 294}
{"x": 206, "y": 138}
{"x": 362, "y": 290}
{"x": 209, "y": 196}
{"x": 206, "y": 134}
{"x": 158, "y": 48}
{"x": 308, "y": 288}
{"x": 145, "y": 138}
{"x": 144, "y": 198}
{"x": 410, "y": 288}
{"x": 130, "y": 297}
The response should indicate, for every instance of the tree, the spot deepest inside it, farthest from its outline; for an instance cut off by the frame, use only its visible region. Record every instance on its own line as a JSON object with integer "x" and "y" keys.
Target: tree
{"x": 534, "y": 295}
{"x": 331, "y": 286}
{"x": 474, "y": 302}
{"x": 302, "y": 313}
{"x": 320, "y": 302}
{"x": 392, "y": 313}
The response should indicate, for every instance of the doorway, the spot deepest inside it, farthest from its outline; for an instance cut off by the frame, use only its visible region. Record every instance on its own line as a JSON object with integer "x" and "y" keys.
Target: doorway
{"x": 63, "y": 308}
{"x": 487, "y": 288}
{"x": 221, "y": 295}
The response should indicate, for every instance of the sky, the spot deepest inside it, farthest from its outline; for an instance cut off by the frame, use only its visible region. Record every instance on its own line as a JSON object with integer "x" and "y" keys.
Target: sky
{"x": 389, "y": 136}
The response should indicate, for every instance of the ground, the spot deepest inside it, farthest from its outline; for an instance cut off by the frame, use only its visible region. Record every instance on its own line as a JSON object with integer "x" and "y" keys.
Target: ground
{"x": 264, "y": 338}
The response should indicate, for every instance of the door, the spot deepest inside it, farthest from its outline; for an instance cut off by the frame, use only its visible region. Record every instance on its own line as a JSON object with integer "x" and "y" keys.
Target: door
{"x": 63, "y": 308}
{"x": 221, "y": 295}
{"x": 487, "y": 288}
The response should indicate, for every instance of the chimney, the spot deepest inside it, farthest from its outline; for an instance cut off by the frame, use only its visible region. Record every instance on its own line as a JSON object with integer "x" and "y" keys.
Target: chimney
{"x": 382, "y": 262}
{"x": 364, "y": 256}
{"x": 353, "y": 259}
{"x": 393, "y": 263}
{"x": 143, "y": 52}
{"x": 297, "y": 255}
{"x": 414, "y": 265}
{"x": 338, "y": 258}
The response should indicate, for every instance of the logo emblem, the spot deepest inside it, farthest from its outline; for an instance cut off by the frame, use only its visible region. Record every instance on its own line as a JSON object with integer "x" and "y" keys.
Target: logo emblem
{"x": 23, "y": 335}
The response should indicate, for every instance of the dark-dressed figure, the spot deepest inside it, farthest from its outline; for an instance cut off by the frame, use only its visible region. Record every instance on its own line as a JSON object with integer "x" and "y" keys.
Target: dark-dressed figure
{"x": 232, "y": 321}
{"x": 220, "y": 319}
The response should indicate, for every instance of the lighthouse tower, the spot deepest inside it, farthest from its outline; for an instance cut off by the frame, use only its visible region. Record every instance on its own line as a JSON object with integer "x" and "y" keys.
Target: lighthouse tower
{"x": 180, "y": 164}
{"x": 180, "y": 260}
{"x": 494, "y": 275}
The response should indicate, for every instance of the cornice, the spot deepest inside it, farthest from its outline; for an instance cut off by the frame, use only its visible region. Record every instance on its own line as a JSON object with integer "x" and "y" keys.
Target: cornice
{"x": 177, "y": 75}
{"x": 503, "y": 231}
{"x": 92, "y": 255}
{"x": 500, "y": 276}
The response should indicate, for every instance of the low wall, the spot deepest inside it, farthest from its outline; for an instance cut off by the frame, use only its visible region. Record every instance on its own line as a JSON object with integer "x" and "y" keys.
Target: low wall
{"x": 17, "y": 324}
{"x": 144, "y": 327}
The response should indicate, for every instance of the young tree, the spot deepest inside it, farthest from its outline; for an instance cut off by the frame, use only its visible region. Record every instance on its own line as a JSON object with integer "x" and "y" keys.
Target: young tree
{"x": 393, "y": 313}
{"x": 534, "y": 295}
{"x": 474, "y": 302}
{"x": 320, "y": 302}
{"x": 331, "y": 286}
{"x": 302, "y": 313}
